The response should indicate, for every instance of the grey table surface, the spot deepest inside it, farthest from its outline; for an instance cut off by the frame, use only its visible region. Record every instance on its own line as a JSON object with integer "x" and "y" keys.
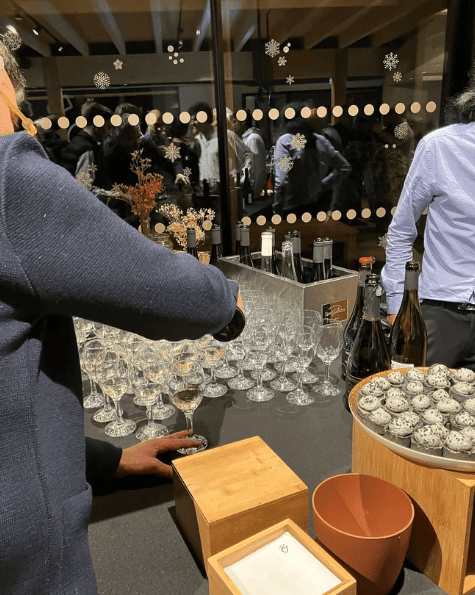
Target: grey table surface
{"x": 136, "y": 544}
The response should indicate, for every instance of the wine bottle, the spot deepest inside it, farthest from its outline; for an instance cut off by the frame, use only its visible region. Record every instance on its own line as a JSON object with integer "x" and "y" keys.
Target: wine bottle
{"x": 233, "y": 329}
{"x": 275, "y": 266}
{"x": 297, "y": 249}
{"x": 318, "y": 271}
{"x": 353, "y": 324}
{"x": 288, "y": 269}
{"x": 238, "y": 238}
{"x": 191, "y": 242}
{"x": 266, "y": 251}
{"x": 247, "y": 188}
{"x": 216, "y": 246}
{"x": 327, "y": 257}
{"x": 369, "y": 354}
{"x": 408, "y": 344}
{"x": 245, "y": 250}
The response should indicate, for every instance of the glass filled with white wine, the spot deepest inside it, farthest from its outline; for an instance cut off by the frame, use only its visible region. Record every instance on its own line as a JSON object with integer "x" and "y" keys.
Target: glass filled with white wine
{"x": 187, "y": 395}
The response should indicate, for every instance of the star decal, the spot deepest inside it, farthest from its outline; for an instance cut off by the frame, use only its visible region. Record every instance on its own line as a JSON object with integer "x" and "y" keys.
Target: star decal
{"x": 118, "y": 64}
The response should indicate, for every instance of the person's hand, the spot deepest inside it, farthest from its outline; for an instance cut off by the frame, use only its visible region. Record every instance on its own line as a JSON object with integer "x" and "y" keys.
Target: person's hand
{"x": 391, "y": 318}
{"x": 180, "y": 178}
{"x": 140, "y": 459}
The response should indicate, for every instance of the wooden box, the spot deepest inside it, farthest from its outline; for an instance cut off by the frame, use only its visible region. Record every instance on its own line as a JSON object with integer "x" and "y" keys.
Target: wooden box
{"x": 229, "y": 493}
{"x": 220, "y": 582}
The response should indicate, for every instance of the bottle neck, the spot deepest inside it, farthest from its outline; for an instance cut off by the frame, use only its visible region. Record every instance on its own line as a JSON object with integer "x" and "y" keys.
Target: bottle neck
{"x": 215, "y": 237}
{"x": 371, "y": 304}
{"x": 191, "y": 240}
{"x": 296, "y": 245}
{"x": 362, "y": 277}
{"x": 318, "y": 255}
{"x": 266, "y": 245}
{"x": 412, "y": 281}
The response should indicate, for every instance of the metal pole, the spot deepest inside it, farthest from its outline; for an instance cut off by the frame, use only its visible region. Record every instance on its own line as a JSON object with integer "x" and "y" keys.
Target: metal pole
{"x": 220, "y": 100}
{"x": 458, "y": 50}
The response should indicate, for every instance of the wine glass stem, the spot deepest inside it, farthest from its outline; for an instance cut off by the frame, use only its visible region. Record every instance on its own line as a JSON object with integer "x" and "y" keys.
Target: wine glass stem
{"x": 119, "y": 411}
{"x": 299, "y": 380}
{"x": 259, "y": 378}
{"x": 212, "y": 382}
{"x": 189, "y": 422}
{"x": 159, "y": 401}
{"x": 149, "y": 415}
{"x": 282, "y": 370}
{"x": 240, "y": 365}
{"x": 326, "y": 377}
{"x": 94, "y": 392}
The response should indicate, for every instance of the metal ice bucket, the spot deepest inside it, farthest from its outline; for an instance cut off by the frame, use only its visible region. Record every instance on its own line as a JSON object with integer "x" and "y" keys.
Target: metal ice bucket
{"x": 333, "y": 298}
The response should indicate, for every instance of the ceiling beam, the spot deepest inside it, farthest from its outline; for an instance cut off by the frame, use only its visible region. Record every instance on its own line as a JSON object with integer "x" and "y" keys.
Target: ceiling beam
{"x": 409, "y": 22}
{"x": 107, "y": 18}
{"x": 29, "y": 38}
{"x": 203, "y": 27}
{"x": 156, "y": 25}
{"x": 317, "y": 32}
{"x": 371, "y": 22}
{"x": 59, "y": 24}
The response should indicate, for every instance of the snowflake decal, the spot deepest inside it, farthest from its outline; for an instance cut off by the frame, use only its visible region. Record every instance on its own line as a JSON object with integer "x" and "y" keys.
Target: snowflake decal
{"x": 401, "y": 130}
{"x": 289, "y": 80}
{"x": 118, "y": 64}
{"x": 272, "y": 48}
{"x": 187, "y": 172}
{"x": 12, "y": 40}
{"x": 172, "y": 152}
{"x": 102, "y": 80}
{"x": 282, "y": 61}
{"x": 84, "y": 179}
{"x": 298, "y": 141}
{"x": 397, "y": 77}
{"x": 285, "y": 164}
{"x": 390, "y": 61}
{"x": 383, "y": 241}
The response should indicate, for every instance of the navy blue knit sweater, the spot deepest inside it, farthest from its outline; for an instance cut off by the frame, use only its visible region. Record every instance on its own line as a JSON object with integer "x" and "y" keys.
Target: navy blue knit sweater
{"x": 63, "y": 254}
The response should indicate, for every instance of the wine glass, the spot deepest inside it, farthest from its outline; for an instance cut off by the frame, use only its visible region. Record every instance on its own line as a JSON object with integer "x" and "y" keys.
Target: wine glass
{"x": 283, "y": 348}
{"x": 259, "y": 346}
{"x": 305, "y": 340}
{"x": 115, "y": 380}
{"x": 211, "y": 355}
{"x": 328, "y": 349}
{"x": 157, "y": 373}
{"x": 240, "y": 382}
{"x": 90, "y": 357}
{"x": 311, "y": 318}
{"x": 188, "y": 396}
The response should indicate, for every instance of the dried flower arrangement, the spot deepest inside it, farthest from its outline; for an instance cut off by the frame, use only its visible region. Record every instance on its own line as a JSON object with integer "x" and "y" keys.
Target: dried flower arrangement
{"x": 142, "y": 196}
{"x": 179, "y": 222}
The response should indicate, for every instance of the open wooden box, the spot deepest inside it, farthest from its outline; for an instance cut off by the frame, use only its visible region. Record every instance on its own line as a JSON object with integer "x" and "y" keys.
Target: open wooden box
{"x": 228, "y": 493}
{"x": 220, "y": 582}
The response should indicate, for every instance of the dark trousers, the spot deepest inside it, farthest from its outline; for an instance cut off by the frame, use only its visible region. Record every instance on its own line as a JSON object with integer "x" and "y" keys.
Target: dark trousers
{"x": 450, "y": 336}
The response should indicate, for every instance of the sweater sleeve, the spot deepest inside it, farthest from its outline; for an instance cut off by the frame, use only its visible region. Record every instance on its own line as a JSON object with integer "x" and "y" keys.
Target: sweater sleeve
{"x": 102, "y": 460}
{"x": 82, "y": 260}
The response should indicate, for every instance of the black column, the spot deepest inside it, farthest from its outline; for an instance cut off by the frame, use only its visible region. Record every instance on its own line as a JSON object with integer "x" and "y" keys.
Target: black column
{"x": 220, "y": 100}
{"x": 458, "y": 50}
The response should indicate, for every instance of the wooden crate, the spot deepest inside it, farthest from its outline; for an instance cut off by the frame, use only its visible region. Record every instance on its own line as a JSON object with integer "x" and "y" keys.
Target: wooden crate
{"x": 227, "y": 494}
{"x": 221, "y": 584}
{"x": 442, "y": 543}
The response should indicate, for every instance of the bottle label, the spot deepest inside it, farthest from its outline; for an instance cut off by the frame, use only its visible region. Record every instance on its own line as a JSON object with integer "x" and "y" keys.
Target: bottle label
{"x": 336, "y": 310}
{"x": 398, "y": 365}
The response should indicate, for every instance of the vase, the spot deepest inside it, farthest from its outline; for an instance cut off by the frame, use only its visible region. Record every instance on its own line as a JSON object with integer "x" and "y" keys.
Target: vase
{"x": 145, "y": 225}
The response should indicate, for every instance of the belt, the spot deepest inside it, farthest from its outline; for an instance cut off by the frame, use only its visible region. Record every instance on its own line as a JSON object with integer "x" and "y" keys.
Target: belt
{"x": 462, "y": 308}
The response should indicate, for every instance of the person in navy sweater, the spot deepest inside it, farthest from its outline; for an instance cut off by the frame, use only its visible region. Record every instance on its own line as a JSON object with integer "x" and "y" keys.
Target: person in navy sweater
{"x": 65, "y": 254}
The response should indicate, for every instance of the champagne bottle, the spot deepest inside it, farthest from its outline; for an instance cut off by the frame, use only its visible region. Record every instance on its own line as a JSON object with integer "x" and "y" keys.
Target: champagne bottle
{"x": 327, "y": 257}
{"x": 408, "y": 345}
{"x": 266, "y": 251}
{"x": 275, "y": 266}
{"x": 216, "y": 247}
{"x": 369, "y": 354}
{"x": 245, "y": 250}
{"x": 233, "y": 329}
{"x": 288, "y": 269}
{"x": 247, "y": 188}
{"x": 191, "y": 242}
{"x": 353, "y": 324}
{"x": 318, "y": 272}
{"x": 297, "y": 249}
{"x": 237, "y": 250}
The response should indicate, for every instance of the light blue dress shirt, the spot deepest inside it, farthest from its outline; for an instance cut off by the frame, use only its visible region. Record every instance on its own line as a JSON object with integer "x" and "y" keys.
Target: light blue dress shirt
{"x": 442, "y": 179}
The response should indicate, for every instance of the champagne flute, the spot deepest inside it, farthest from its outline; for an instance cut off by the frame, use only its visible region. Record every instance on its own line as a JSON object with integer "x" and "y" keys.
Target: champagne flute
{"x": 328, "y": 349}
{"x": 187, "y": 398}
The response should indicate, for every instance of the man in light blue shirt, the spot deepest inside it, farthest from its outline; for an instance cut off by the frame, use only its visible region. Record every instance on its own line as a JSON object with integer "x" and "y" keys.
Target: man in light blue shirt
{"x": 442, "y": 180}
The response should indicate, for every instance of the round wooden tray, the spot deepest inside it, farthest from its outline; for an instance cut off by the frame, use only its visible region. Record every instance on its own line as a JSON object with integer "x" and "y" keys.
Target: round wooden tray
{"x": 408, "y": 453}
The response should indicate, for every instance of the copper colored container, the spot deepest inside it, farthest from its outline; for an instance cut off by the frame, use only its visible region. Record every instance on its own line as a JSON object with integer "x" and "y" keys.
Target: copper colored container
{"x": 366, "y": 522}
